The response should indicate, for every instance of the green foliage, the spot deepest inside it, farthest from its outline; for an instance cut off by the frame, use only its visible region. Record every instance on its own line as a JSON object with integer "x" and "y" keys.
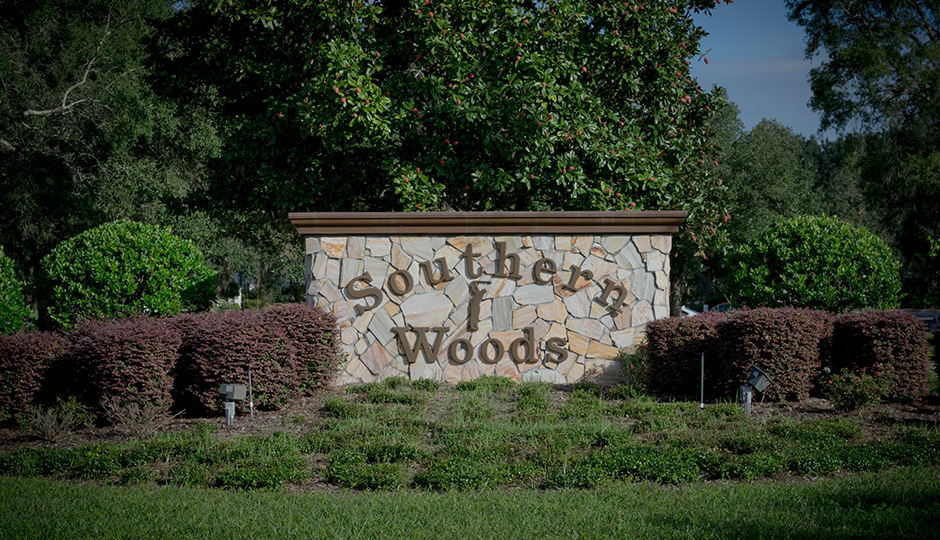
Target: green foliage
{"x": 878, "y": 69}
{"x": 454, "y": 104}
{"x": 533, "y": 396}
{"x": 768, "y": 151}
{"x": 52, "y": 423}
{"x": 84, "y": 139}
{"x": 13, "y": 311}
{"x": 487, "y": 383}
{"x": 816, "y": 262}
{"x": 879, "y": 62}
{"x": 122, "y": 269}
{"x": 388, "y": 448}
{"x": 850, "y": 391}
{"x": 633, "y": 370}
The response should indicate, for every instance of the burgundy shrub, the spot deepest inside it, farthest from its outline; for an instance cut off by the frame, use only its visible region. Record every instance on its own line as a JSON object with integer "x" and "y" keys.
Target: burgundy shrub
{"x": 893, "y": 343}
{"x": 313, "y": 335}
{"x": 219, "y": 350}
{"x": 783, "y": 342}
{"x": 25, "y": 360}
{"x": 675, "y": 346}
{"x": 128, "y": 360}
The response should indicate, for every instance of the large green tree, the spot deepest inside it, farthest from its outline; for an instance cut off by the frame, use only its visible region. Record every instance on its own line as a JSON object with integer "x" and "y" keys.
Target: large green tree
{"x": 454, "y": 104}
{"x": 770, "y": 172}
{"x": 83, "y": 138}
{"x": 880, "y": 73}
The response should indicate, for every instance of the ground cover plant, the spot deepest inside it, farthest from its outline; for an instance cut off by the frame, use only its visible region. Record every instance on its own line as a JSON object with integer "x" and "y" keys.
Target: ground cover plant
{"x": 492, "y": 433}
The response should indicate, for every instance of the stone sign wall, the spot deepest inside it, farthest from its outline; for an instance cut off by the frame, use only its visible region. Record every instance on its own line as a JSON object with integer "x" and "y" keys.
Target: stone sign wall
{"x": 452, "y": 296}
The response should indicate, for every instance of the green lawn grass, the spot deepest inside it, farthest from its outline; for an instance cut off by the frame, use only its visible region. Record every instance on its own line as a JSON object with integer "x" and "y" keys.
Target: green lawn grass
{"x": 900, "y": 503}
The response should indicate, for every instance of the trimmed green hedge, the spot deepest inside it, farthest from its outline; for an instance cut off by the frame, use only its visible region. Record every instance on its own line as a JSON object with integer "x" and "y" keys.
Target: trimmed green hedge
{"x": 123, "y": 269}
{"x": 816, "y": 262}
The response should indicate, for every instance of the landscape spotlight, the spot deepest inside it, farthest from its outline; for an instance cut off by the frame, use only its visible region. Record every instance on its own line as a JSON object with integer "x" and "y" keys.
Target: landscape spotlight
{"x": 759, "y": 380}
{"x": 231, "y": 393}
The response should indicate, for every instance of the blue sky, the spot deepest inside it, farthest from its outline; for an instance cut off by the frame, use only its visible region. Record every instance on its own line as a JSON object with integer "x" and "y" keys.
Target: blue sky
{"x": 758, "y": 55}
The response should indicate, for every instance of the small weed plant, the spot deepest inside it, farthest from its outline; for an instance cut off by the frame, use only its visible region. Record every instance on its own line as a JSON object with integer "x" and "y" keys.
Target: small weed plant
{"x": 141, "y": 420}
{"x": 52, "y": 423}
{"x": 633, "y": 369}
{"x": 849, "y": 391}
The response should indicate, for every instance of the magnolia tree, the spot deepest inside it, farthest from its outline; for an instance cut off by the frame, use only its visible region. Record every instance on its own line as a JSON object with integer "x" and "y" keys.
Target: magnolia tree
{"x": 455, "y": 104}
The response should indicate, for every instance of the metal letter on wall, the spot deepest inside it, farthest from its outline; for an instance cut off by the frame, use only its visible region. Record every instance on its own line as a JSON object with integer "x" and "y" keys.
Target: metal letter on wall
{"x": 365, "y": 292}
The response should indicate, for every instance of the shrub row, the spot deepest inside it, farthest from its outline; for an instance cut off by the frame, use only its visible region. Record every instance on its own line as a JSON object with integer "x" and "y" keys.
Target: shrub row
{"x": 791, "y": 345}
{"x": 175, "y": 362}
{"x": 25, "y": 360}
{"x": 891, "y": 343}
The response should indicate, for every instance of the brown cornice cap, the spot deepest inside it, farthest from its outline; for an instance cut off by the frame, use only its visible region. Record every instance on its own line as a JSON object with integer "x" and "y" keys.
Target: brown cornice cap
{"x": 485, "y": 223}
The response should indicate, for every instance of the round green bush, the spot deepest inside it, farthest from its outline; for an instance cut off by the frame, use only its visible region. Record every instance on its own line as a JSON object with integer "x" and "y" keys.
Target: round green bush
{"x": 13, "y": 311}
{"x": 124, "y": 268}
{"x": 816, "y": 262}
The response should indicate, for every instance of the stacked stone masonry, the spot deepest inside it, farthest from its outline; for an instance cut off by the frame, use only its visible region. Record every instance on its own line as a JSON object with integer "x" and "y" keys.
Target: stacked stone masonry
{"x": 539, "y": 321}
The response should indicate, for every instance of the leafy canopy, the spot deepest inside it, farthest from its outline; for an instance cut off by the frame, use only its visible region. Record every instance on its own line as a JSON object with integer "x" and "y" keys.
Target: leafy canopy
{"x": 881, "y": 68}
{"x": 124, "y": 268}
{"x": 83, "y": 138}
{"x": 453, "y": 104}
{"x": 883, "y": 59}
{"x": 13, "y": 310}
{"x": 816, "y": 262}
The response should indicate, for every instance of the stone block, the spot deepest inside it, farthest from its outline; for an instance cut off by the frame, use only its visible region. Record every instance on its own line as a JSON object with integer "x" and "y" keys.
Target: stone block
{"x": 351, "y": 269}
{"x": 375, "y": 358}
{"x": 655, "y": 261}
{"x": 582, "y": 244}
{"x": 554, "y": 312}
{"x": 400, "y": 260}
{"x": 379, "y": 246}
{"x": 354, "y": 247}
{"x": 334, "y": 247}
{"x": 418, "y": 247}
{"x": 523, "y": 316}
{"x": 662, "y": 243}
{"x": 587, "y": 327}
{"x": 534, "y": 294}
{"x": 543, "y": 243}
{"x": 578, "y": 343}
{"x": 629, "y": 257}
{"x": 642, "y": 313}
{"x": 458, "y": 290}
{"x": 643, "y": 285}
{"x": 597, "y": 350}
{"x": 427, "y": 309}
{"x": 319, "y": 266}
{"x": 502, "y": 313}
{"x": 579, "y": 304}
{"x": 599, "y": 267}
{"x": 381, "y": 326}
{"x": 543, "y": 375}
{"x": 614, "y": 244}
